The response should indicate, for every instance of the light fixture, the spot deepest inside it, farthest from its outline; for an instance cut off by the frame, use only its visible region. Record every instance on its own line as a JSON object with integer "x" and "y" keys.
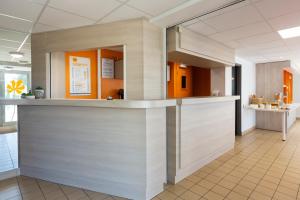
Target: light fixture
{"x": 23, "y": 62}
{"x": 290, "y": 32}
{"x": 16, "y": 54}
{"x": 183, "y": 65}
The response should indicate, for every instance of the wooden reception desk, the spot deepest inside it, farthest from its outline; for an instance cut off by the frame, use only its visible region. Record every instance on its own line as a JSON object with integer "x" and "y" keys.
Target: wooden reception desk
{"x": 199, "y": 130}
{"x": 115, "y": 147}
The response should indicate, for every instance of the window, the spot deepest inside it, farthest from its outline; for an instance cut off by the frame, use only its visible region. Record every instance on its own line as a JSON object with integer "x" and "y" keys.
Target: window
{"x": 11, "y": 110}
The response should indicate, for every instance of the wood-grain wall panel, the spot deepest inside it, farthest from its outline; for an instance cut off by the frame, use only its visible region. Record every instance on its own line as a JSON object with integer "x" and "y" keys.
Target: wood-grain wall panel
{"x": 109, "y": 150}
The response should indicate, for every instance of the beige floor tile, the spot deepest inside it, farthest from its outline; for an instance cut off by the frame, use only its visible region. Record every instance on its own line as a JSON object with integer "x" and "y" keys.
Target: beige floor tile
{"x": 186, "y": 183}
{"x": 271, "y": 179}
{"x": 244, "y": 191}
{"x": 236, "y": 196}
{"x": 220, "y": 190}
{"x": 213, "y": 196}
{"x": 194, "y": 178}
{"x": 177, "y": 189}
{"x": 166, "y": 195}
{"x": 259, "y": 196}
{"x": 280, "y": 196}
{"x": 264, "y": 190}
{"x": 213, "y": 179}
{"x": 287, "y": 191}
{"x": 252, "y": 179}
{"x": 227, "y": 184}
{"x": 96, "y": 195}
{"x": 207, "y": 184}
{"x": 188, "y": 195}
{"x": 200, "y": 190}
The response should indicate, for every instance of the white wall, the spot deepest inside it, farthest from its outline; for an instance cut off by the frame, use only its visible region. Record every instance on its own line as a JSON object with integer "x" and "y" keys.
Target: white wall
{"x": 58, "y": 75}
{"x": 248, "y": 88}
{"x": 296, "y": 84}
{"x": 228, "y": 81}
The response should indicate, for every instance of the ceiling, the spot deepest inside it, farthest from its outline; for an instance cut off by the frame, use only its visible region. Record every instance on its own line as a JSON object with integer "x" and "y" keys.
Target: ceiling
{"x": 250, "y": 27}
{"x": 19, "y": 18}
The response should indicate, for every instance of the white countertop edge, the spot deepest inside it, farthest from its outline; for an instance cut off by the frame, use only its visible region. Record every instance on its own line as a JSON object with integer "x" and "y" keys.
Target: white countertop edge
{"x": 201, "y": 100}
{"x": 291, "y": 107}
{"x": 91, "y": 103}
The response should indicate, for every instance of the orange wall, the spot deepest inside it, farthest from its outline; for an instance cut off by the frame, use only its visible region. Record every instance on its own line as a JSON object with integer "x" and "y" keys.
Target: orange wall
{"x": 288, "y": 81}
{"x": 201, "y": 82}
{"x": 174, "y": 85}
{"x": 197, "y": 84}
{"x": 94, "y": 88}
{"x": 110, "y": 87}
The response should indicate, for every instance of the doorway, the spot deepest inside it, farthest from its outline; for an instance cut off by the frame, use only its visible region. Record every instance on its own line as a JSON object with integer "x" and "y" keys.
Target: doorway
{"x": 237, "y": 90}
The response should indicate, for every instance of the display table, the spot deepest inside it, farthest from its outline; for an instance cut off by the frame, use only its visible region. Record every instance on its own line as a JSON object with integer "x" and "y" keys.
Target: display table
{"x": 285, "y": 121}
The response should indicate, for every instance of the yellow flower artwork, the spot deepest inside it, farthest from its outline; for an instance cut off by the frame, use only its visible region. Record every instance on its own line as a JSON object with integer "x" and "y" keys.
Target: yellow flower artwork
{"x": 16, "y": 87}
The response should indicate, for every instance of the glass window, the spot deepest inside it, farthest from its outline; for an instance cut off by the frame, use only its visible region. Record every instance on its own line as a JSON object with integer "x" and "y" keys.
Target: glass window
{"x": 15, "y": 85}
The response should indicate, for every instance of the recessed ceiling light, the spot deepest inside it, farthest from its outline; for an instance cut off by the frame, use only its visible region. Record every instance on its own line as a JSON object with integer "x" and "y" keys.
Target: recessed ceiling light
{"x": 290, "y": 32}
{"x": 183, "y": 65}
{"x": 16, "y": 54}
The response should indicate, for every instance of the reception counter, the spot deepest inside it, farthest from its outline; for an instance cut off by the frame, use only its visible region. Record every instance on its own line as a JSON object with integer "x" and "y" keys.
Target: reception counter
{"x": 125, "y": 148}
{"x": 115, "y": 147}
{"x": 199, "y": 130}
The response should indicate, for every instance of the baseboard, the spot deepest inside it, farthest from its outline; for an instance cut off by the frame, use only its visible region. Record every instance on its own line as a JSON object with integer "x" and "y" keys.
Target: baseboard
{"x": 9, "y": 174}
{"x": 249, "y": 130}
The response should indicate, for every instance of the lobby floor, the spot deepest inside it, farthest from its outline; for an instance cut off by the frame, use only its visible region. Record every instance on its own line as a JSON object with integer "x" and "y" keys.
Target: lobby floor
{"x": 8, "y": 152}
{"x": 261, "y": 167}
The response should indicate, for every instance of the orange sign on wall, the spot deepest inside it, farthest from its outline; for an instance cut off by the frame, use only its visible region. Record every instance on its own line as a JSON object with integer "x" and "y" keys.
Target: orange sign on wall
{"x": 86, "y": 55}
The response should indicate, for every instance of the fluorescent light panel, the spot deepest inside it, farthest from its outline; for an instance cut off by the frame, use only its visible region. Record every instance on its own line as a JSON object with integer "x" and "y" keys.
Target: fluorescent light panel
{"x": 290, "y": 32}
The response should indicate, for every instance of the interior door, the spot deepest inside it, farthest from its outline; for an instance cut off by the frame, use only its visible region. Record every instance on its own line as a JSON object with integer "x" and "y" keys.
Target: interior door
{"x": 237, "y": 90}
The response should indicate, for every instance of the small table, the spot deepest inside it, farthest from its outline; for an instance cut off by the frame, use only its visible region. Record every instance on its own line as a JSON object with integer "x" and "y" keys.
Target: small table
{"x": 284, "y": 113}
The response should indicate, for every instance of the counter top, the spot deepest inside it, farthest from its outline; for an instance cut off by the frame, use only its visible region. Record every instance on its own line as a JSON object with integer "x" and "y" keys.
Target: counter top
{"x": 210, "y": 99}
{"x": 293, "y": 106}
{"x": 91, "y": 103}
{"x": 117, "y": 103}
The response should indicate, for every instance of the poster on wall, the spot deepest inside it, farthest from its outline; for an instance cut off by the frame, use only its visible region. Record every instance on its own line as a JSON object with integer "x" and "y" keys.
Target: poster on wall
{"x": 108, "y": 68}
{"x": 80, "y": 75}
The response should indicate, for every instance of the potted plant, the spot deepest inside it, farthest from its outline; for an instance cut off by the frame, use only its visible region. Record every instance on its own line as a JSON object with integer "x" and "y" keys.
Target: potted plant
{"x": 29, "y": 95}
{"x": 39, "y": 92}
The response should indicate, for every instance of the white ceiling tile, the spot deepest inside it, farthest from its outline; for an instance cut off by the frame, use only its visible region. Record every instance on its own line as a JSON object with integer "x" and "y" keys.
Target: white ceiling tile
{"x": 190, "y": 10}
{"x": 286, "y": 21}
{"x": 58, "y": 18}
{"x": 42, "y": 2}
{"x": 202, "y": 28}
{"x": 236, "y": 18}
{"x": 93, "y": 9}
{"x": 12, "y": 35}
{"x": 9, "y": 43}
{"x": 43, "y": 28}
{"x": 232, "y": 44}
{"x": 273, "y": 44}
{"x": 122, "y": 13}
{"x": 22, "y": 9}
{"x": 155, "y": 7}
{"x": 226, "y": 9}
{"x": 15, "y": 24}
{"x": 259, "y": 39}
{"x": 273, "y": 8}
{"x": 242, "y": 32}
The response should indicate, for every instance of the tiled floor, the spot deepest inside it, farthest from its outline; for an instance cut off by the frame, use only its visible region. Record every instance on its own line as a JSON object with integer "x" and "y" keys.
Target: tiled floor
{"x": 8, "y": 152}
{"x": 261, "y": 167}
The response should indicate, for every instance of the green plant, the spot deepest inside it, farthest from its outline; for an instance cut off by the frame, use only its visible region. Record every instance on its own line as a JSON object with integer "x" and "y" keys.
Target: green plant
{"x": 29, "y": 93}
